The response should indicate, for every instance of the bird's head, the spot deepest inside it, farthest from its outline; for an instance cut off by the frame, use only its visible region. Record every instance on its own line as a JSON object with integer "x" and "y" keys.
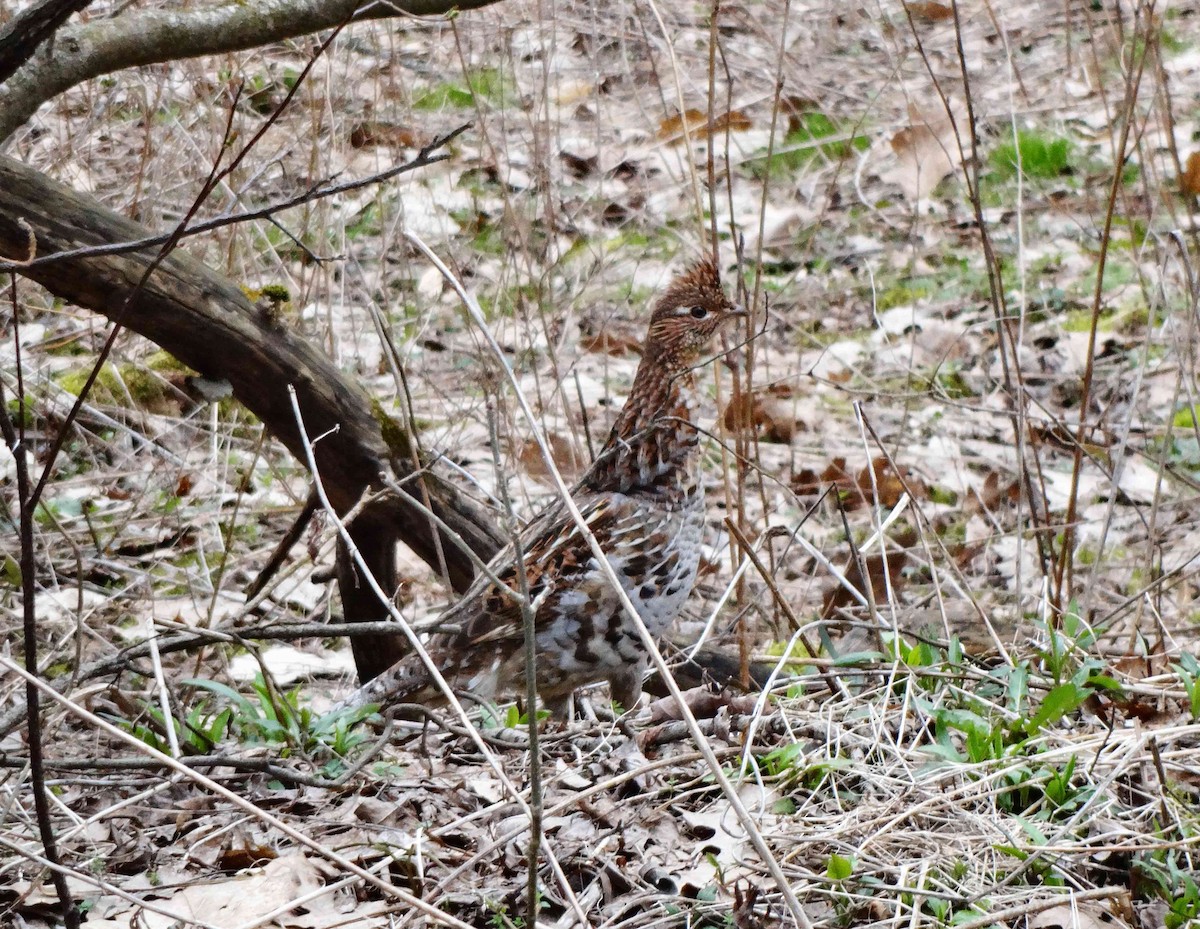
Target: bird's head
{"x": 688, "y": 314}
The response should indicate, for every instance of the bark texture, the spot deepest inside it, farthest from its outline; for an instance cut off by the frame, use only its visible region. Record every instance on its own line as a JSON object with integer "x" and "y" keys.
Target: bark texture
{"x": 21, "y": 35}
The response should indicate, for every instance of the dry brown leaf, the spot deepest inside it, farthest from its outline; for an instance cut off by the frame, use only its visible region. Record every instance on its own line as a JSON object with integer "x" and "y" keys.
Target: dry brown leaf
{"x": 607, "y": 342}
{"x": 993, "y": 492}
{"x": 1138, "y": 667}
{"x": 744, "y": 916}
{"x": 243, "y": 856}
{"x": 807, "y": 482}
{"x": 927, "y": 153}
{"x": 888, "y": 484}
{"x": 766, "y": 413}
{"x": 1190, "y": 182}
{"x": 235, "y": 902}
{"x": 615, "y": 214}
{"x": 626, "y": 171}
{"x": 1084, "y": 914}
{"x": 577, "y": 165}
{"x": 570, "y": 463}
{"x": 373, "y": 132}
{"x": 696, "y": 121}
{"x": 796, "y": 108}
{"x": 837, "y": 596}
{"x": 859, "y": 489}
{"x": 929, "y": 11}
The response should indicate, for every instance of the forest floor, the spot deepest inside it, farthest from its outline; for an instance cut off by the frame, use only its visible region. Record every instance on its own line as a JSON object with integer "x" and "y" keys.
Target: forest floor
{"x": 964, "y": 445}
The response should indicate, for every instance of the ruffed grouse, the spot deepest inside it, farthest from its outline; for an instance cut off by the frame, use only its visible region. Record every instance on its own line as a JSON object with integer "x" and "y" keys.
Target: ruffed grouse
{"x": 643, "y": 498}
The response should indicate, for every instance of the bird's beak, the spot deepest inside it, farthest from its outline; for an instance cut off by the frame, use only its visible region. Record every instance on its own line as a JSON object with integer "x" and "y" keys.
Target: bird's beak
{"x": 739, "y": 310}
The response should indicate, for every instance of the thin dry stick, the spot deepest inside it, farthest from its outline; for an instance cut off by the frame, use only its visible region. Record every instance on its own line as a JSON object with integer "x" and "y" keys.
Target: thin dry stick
{"x": 1064, "y": 572}
{"x": 164, "y": 700}
{"x": 669, "y": 761}
{"x": 86, "y": 877}
{"x": 415, "y": 451}
{"x": 606, "y": 568}
{"x": 15, "y": 436}
{"x": 877, "y": 518}
{"x": 427, "y": 156}
{"x": 684, "y": 122}
{"x": 529, "y": 634}
{"x": 998, "y": 917}
{"x": 1014, "y": 380}
{"x": 831, "y": 681}
{"x": 955, "y": 574}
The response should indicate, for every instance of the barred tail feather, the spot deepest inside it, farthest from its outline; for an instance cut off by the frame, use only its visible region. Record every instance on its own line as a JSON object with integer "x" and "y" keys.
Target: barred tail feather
{"x": 406, "y": 681}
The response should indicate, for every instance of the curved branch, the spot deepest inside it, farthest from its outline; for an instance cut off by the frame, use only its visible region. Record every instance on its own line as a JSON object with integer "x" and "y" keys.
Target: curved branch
{"x": 21, "y": 36}
{"x": 205, "y": 321}
{"x": 135, "y": 38}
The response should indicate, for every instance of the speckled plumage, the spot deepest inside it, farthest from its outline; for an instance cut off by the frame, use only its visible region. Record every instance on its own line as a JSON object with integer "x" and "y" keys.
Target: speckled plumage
{"x": 643, "y": 498}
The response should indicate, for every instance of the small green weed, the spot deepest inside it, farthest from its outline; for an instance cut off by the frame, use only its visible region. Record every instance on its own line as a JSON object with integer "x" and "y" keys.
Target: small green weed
{"x": 1159, "y": 874}
{"x": 1033, "y": 154}
{"x": 839, "y": 868}
{"x": 514, "y": 717}
{"x": 812, "y": 135}
{"x": 271, "y": 717}
{"x": 265, "y": 717}
{"x": 488, "y": 84}
{"x": 199, "y": 732}
{"x": 1188, "y": 669}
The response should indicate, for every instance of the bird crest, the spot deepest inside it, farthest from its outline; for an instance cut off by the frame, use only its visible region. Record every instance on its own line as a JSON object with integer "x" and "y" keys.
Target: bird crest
{"x": 688, "y": 315}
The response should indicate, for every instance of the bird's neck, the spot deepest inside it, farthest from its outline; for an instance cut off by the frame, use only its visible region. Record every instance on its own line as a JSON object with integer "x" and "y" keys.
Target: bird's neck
{"x": 653, "y": 445}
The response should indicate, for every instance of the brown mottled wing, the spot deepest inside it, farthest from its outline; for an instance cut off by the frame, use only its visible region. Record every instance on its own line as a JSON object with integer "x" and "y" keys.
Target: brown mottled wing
{"x": 556, "y": 555}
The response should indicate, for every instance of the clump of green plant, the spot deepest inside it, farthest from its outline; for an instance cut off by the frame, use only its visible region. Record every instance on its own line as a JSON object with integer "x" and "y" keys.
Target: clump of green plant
{"x": 273, "y": 717}
{"x": 1159, "y": 872}
{"x": 1188, "y": 669}
{"x": 512, "y": 717}
{"x": 1035, "y": 155}
{"x": 199, "y": 731}
{"x": 266, "y": 716}
{"x": 489, "y": 84}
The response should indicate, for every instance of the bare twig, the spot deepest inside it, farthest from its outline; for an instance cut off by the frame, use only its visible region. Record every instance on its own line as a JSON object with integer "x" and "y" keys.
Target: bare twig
{"x": 15, "y": 438}
{"x": 428, "y": 155}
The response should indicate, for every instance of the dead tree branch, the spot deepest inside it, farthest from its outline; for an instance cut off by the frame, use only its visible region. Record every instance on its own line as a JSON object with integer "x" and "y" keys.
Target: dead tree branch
{"x": 144, "y": 37}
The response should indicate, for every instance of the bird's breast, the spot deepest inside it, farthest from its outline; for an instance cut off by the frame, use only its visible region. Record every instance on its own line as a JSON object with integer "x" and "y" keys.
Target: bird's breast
{"x": 659, "y": 570}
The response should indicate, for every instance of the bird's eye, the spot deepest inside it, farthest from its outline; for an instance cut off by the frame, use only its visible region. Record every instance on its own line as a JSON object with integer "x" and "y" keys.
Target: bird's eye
{"x": 699, "y": 312}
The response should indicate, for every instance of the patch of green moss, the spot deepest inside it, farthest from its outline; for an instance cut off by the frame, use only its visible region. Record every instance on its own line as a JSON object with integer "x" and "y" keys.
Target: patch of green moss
{"x": 368, "y": 223}
{"x": 943, "y": 495}
{"x": 903, "y": 293}
{"x": 952, "y": 384}
{"x": 395, "y": 436}
{"x": 1126, "y": 319}
{"x": 276, "y": 292}
{"x": 954, "y": 532}
{"x": 1187, "y": 418}
{"x": 145, "y": 384}
{"x": 486, "y": 236}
